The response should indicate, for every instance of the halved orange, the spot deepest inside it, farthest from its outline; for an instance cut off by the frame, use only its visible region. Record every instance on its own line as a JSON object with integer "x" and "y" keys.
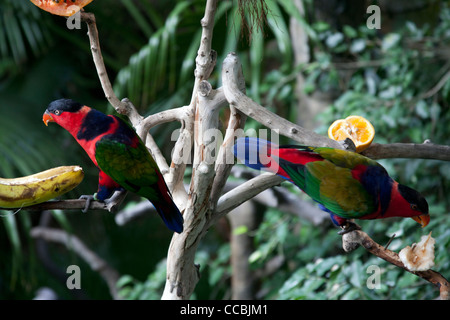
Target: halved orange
{"x": 357, "y": 128}
{"x": 61, "y": 7}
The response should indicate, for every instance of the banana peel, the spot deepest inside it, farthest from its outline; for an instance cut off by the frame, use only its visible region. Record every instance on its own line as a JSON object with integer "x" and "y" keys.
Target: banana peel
{"x": 39, "y": 187}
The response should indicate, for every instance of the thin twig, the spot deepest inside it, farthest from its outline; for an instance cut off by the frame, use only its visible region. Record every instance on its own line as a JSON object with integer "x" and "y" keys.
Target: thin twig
{"x": 89, "y": 18}
{"x": 109, "y": 274}
{"x": 111, "y": 205}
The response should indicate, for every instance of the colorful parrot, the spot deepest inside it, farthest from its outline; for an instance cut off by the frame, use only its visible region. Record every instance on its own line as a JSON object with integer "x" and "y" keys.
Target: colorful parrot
{"x": 346, "y": 184}
{"x": 120, "y": 155}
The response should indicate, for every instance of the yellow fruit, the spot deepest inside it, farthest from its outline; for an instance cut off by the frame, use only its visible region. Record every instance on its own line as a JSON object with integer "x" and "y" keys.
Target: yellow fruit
{"x": 40, "y": 187}
{"x": 357, "y": 128}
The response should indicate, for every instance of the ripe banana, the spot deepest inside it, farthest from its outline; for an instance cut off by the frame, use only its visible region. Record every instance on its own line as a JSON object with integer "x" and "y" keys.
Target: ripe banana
{"x": 39, "y": 187}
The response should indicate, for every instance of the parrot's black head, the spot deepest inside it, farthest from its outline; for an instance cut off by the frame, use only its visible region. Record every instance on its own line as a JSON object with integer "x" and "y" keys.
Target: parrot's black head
{"x": 417, "y": 201}
{"x": 62, "y": 111}
{"x": 64, "y": 105}
{"x": 418, "y": 206}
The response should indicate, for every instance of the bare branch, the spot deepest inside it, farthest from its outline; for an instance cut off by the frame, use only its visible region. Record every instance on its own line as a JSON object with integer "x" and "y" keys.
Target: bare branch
{"x": 244, "y": 192}
{"x": 182, "y": 274}
{"x": 231, "y": 70}
{"x": 177, "y": 114}
{"x": 225, "y": 157}
{"x": 109, "y": 274}
{"x": 110, "y": 205}
{"x": 89, "y": 18}
{"x": 352, "y": 240}
{"x": 408, "y": 150}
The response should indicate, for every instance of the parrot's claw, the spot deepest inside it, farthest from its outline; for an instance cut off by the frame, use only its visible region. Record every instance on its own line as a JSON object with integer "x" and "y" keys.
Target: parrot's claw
{"x": 113, "y": 202}
{"x": 349, "y": 227}
{"x": 89, "y": 198}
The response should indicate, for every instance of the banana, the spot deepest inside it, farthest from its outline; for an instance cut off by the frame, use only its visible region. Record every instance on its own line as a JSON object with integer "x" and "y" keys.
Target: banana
{"x": 40, "y": 187}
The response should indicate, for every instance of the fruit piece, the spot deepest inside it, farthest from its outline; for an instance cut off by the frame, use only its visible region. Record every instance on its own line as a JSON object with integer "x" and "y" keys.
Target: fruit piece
{"x": 61, "y": 7}
{"x": 39, "y": 187}
{"x": 357, "y": 128}
{"x": 420, "y": 256}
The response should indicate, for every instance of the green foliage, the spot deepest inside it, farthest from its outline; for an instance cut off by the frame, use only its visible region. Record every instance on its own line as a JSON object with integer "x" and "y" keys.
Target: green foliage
{"x": 21, "y": 27}
{"x": 404, "y": 104}
{"x": 393, "y": 79}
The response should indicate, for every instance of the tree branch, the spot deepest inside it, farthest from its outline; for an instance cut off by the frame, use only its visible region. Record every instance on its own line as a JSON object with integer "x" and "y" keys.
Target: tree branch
{"x": 109, "y": 274}
{"x": 182, "y": 274}
{"x": 425, "y": 150}
{"x": 225, "y": 157}
{"x": 89, "y": 18}
{"x": 110, "y": 205}
{"x": 231, "y": 70}
{"x": 354, "y": 239}
{"x": 244, "y": 192}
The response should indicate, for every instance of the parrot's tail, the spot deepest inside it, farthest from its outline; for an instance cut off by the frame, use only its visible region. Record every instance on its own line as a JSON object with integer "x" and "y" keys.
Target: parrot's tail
{"x": 168, "y": 211}
{"x": 163, "y": 203}
{"x": 257, "y": 154}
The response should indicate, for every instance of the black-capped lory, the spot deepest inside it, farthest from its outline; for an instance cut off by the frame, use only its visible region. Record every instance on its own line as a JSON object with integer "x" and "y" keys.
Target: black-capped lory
{"x": 346, "y": 184}
{"x": 120, "y": 155}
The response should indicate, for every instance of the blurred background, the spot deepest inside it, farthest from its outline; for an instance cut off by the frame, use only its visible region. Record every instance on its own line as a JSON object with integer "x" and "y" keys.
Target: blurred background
{"x": 312, "y": 62}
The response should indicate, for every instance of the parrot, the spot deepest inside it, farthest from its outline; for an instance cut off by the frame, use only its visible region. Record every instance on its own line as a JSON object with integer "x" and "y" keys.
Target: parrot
{"x": 120, "y": 155}
{"x": 345, "y": 184}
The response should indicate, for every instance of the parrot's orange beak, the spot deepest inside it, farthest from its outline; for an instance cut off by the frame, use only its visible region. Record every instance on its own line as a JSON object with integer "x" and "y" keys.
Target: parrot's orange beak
{"x": 47, "y": 117}
{"x": 423, "y": 219}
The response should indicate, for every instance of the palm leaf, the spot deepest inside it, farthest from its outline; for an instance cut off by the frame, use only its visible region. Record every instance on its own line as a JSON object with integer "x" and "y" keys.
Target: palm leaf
{"x": 21, "y": 29}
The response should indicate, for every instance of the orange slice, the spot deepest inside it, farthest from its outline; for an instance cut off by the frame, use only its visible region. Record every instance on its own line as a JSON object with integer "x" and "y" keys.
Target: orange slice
{"x": 61, "y": 7}
{"x": 357, "y": 128}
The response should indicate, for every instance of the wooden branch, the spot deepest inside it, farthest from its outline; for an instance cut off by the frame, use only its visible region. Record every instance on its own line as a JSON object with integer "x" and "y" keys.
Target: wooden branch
{"x": 182, "y": 274}
{"x": 425, "y": 150}
{"x": 89, "y": 18}
{"x": 244, "y": 192}
{"x": 110, "y": 205}
{"x": 170, "y": 115}
{"x": 225, "y": 157}
{"x": 231, "y": 70}
{"x": 125, "y": 106}
{"x": 354, "y": 239}
{"x": 109, "y": 274}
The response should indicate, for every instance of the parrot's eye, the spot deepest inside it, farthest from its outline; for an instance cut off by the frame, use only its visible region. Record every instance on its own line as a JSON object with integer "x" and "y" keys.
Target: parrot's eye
{"x": 414, "y": 207}
{"x": 57, "y": 112}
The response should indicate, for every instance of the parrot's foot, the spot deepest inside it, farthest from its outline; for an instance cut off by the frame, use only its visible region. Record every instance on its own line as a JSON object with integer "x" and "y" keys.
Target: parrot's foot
{"x": 349, "y": 227}
{"x": 113, "y": 202}
{"x": 89, "y": 198}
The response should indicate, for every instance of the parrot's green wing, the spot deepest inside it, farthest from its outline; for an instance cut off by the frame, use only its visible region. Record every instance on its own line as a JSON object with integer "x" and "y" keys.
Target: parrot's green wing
{"x": 343, "y": 158}
{"x": 331, "y": 183}
{"x": 129, "y": 164}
